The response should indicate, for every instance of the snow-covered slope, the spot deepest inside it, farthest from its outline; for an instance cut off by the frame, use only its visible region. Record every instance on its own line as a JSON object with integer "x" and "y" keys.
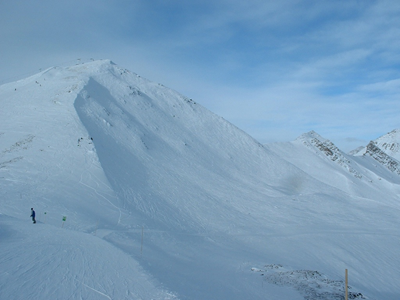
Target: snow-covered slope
{"x": 189, "y": 201}
{"x": 48, "y": 262}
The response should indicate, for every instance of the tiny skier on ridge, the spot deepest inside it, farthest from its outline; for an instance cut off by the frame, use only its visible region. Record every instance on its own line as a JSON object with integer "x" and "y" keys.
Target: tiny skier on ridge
{"x": 33, "y": 216}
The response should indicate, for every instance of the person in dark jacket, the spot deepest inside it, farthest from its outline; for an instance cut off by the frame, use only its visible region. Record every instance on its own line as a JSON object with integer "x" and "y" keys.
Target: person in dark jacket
{"x": 33, "y": 216}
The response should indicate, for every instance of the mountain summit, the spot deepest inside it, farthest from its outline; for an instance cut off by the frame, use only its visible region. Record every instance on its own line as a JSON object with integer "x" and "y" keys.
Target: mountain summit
{"x": 142, "y": 193}
{"x": 390, "y": 143}
{"x": 156, "y": 151}
{"x": 385, "y": 150}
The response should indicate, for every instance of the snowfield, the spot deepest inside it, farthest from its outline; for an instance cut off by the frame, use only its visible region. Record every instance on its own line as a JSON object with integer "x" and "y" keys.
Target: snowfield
{"x": 48, "y": 262}
{"x": 165, "y": 200}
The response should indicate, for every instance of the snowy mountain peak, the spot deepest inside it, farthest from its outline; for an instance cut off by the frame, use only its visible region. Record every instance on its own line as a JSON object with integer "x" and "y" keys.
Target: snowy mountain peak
{"x": 390, "y": 143}
{"x": 325, "y": 147}
{"x": 96, "y": 67}
{"x": 315, "y": 141}
{"x": 385, "y": 150}
{"x": 310, "y": 135}
{"x": 382, "y": 157}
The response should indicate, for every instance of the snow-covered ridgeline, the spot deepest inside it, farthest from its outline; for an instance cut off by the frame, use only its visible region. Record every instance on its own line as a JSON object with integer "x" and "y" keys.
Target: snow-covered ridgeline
{"x": 321, "y": 145}
{"x": 385, "y": 150}
{"x": 390, "y": 143}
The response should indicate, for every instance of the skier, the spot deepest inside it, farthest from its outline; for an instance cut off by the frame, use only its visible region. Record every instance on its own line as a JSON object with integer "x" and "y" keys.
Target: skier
{"x": 33, "y": 216}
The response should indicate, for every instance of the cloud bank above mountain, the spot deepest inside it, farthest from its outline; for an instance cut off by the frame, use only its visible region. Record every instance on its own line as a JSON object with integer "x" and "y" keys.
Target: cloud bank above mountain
{"x": 275, "y": 70}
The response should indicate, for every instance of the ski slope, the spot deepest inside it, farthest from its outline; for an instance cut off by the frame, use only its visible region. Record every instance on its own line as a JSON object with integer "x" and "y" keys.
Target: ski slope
{"x": 166, "y": 200}
{"x": 48, "y": 262}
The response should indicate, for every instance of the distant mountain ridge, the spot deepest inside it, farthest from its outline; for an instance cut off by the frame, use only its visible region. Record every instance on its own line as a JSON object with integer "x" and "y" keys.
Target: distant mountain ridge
{"x": 380, "y": 156}
{"x": 313, "y": 140}
{"x": 390, "y": 143}
{"x": 385, "y": 150}
{"x": 366, "y": 173}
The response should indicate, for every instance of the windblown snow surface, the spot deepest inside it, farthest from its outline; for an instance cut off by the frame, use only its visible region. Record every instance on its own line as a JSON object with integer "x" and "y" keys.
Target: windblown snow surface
{"x": 165, "y": 200}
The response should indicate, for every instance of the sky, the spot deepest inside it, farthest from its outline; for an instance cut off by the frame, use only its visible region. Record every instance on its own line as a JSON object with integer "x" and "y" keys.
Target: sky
{"x": 275, "y": 69}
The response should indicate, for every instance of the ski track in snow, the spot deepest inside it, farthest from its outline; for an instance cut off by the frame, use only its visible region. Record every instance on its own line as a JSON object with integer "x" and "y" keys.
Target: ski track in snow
{"x": 108, "y": 297}
{"x": 105, "y": 198}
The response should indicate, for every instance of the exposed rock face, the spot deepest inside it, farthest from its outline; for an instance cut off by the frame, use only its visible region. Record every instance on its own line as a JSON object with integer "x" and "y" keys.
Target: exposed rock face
{"x": 379, "y": 155}
{"x": 385, "y": 150}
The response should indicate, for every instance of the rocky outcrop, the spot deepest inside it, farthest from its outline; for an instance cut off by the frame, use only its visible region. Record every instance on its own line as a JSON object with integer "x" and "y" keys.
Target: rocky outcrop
{"x": 384, "y": 159}
{"x": 326, "y": 147}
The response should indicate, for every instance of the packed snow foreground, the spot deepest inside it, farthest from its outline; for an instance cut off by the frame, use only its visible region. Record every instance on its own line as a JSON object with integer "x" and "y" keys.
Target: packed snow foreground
{"x": 141, "y": 193}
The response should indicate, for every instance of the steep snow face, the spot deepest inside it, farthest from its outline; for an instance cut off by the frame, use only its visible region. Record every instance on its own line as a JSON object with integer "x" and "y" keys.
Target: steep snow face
{"x": 47, "y": 158}
{"x": 180, "y": 161}
{"x": 193, "y": 201}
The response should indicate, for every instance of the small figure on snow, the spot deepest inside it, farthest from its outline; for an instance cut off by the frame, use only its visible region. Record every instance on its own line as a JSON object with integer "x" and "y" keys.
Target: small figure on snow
{"x": 33, "y": 216}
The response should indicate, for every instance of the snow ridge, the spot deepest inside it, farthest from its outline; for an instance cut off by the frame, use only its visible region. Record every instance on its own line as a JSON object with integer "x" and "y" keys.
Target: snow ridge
{"x": 312, "y": 140}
